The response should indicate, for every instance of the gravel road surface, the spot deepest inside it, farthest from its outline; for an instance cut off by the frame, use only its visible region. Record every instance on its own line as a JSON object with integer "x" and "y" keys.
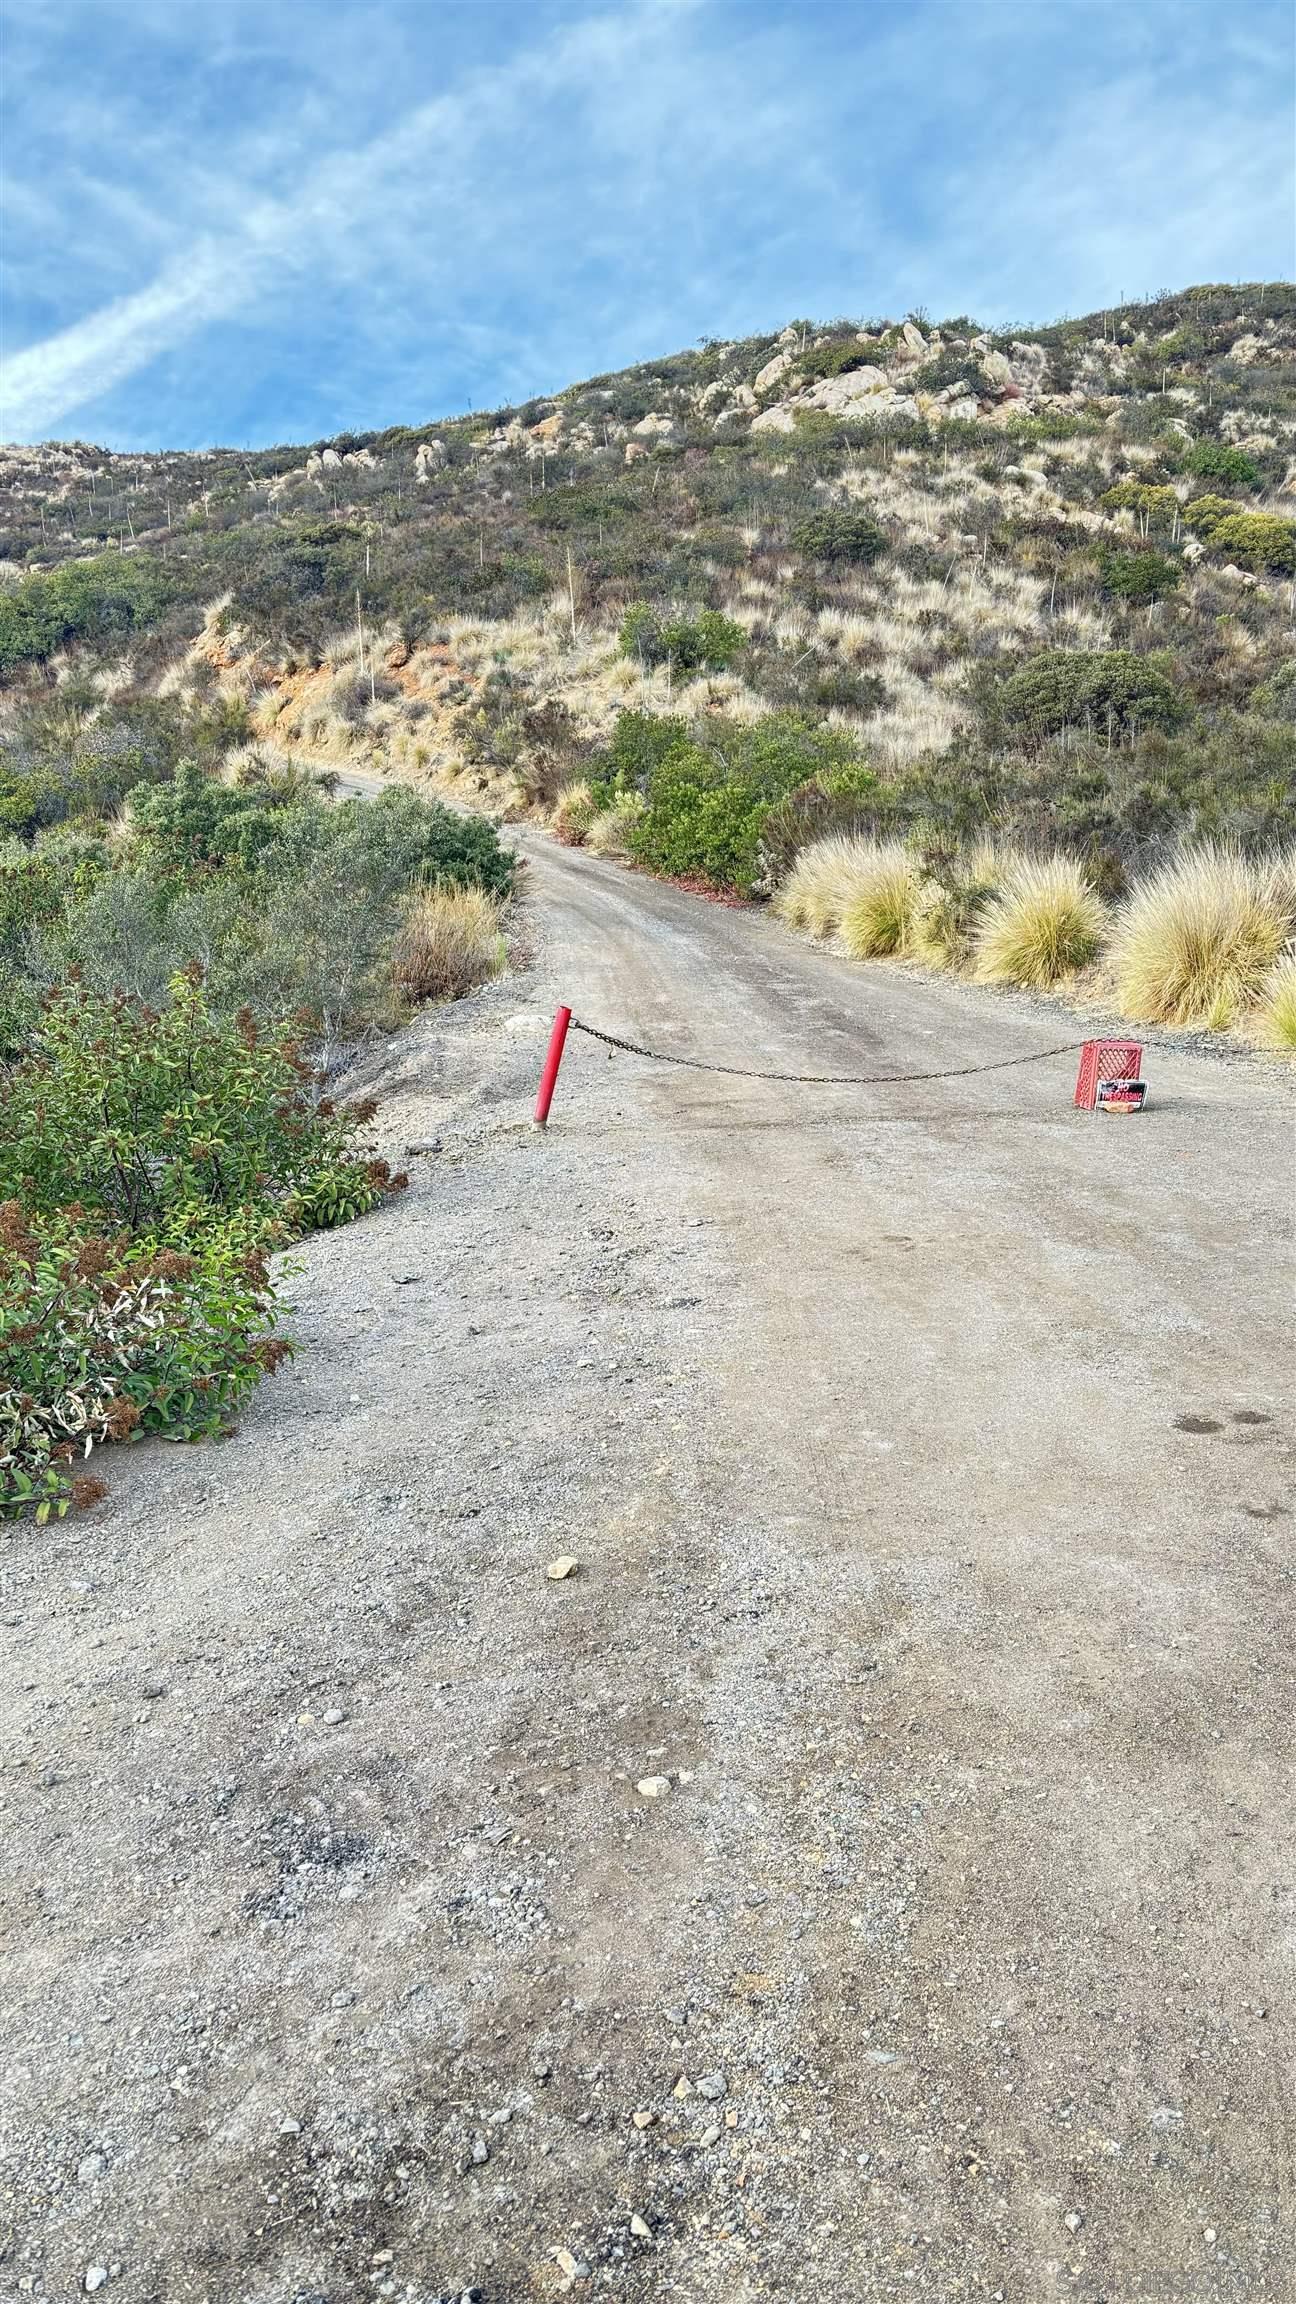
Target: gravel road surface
{"x": 870, "y": 1874}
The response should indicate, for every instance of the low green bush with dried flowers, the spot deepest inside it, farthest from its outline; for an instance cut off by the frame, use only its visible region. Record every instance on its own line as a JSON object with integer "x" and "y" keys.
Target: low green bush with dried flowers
{"x": 150, "y": 1161}
{"x": 103, "y": 1337}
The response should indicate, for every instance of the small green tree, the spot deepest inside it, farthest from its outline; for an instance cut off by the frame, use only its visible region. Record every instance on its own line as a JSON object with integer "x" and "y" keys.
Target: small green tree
{"x": 1216, "y": 460}
{"x": 1111, "y": 690}
{"x": 1256, "y": 540}
{"x": 706, "y": 642}
{"x": 835, "y": 534}
{"x": 1139, "y": 577}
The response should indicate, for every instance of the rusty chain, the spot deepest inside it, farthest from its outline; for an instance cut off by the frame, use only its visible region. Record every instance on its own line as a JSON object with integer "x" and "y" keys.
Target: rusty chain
{"x": 820, "y": 1079}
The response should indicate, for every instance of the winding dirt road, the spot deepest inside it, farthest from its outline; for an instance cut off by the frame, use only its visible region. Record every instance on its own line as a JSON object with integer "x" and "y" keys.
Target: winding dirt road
{"x": 927, "y": 1454}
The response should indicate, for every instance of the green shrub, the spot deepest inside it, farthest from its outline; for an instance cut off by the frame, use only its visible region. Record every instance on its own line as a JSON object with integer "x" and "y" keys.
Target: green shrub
{"x": 393, "y": 841}
{"x": 697, "y": 825}
{"x": 399, "y": 839}
{"x": 1139, "y": 577}
{"x": 955, "y": 367}
{"x": 707, "y": 642}
{"x": 102, "y": 1338}
{"x": 562, "y": 509}
{"x": 835, "y": 534}
{"x": 833, "y": 358}
{"x": 1256, "y": 540}
{"x": 1216, "y": 460}
{"x": 19, "y": 802}
{"x": 38, "y": 889}
{"x": 172, "y": 1125}
{"x": 95, "y": 601}
{"x": 1204, "y": 514}
{"x": 1277, "y": 695}
{"x": 640, "y": 742}
{"x": 195, "y": 821}
{"x": 1158, "y": 506}
{"x": 1108, "y": 689}
{"x": 709, "y": 802}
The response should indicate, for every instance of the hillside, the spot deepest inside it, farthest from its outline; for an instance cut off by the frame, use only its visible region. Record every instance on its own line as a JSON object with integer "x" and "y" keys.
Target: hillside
{"x": 905, "y": 526}
{"x": 646, "y": 1749}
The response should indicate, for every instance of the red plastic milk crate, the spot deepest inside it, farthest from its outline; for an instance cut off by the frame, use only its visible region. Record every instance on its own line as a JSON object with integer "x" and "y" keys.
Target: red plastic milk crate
{"x": 1105, "y": 1060}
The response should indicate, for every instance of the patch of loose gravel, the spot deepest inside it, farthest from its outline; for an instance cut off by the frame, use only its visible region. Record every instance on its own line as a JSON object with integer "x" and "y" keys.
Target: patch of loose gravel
{"x": 868, "y": 1874}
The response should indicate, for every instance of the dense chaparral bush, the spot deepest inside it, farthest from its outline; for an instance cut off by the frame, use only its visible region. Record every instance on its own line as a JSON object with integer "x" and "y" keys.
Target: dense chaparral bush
{"x": 705, "y": 642}
{"x": 103, "y": 1337}
{"x": 709, "y": 792}
{"x": 1216, "y": 460}
{"x": 97, "y": 602}
{"x": 149, "y": 1161}
{"x": 1256, "y": 540}
{"x": 839, "y": 535}
{"x": 1140, "y": 577}
{"x": 173, "y": 1123}
{"x": 1108, "y": 689}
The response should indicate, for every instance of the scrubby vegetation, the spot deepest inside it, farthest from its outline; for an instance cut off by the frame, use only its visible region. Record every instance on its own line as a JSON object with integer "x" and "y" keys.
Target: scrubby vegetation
{"x": 1198, "y": 940}
{"x": 1276, "y": 1008}
{"x": 149, "y": 1161}
{"x": 177, "y": 980}
{"x": 1041, "y": 923}
{"x": 972, "y": 595}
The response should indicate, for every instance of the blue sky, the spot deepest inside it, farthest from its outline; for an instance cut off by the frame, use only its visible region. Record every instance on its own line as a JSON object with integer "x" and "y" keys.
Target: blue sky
{"x": 260, "y": 223}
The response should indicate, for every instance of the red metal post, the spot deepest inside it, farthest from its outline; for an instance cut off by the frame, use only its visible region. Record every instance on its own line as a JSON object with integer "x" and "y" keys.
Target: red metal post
{"x": 553, "y": 1058}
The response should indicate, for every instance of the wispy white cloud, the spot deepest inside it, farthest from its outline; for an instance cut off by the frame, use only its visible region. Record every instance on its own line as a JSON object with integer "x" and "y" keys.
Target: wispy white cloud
{"x": 306, "y": 214}
{"x": 421, "y": 174}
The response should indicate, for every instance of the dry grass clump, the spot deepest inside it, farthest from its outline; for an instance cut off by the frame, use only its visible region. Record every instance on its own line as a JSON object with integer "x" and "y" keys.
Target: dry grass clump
{"x": 1276, "y": 1012}
{"x": 573, "y": 814}
{"x": 610, "y": 832}
{"x": 825, "y": 876}
{"x": 879, "y": 919}
{"x": 1196, "y": 941}
{"x": 449, "y": 943}
{"x": 1043, "y": 922}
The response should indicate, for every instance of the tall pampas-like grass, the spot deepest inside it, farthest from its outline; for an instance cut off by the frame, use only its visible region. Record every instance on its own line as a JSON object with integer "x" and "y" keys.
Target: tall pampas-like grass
{"x": 1276, "y": 1010}
{"x": 826, "y": 878}
{"x": 573, "y": 814}
{"x": 450, "y": 941}
{"x": 611, "y": 830}
{"x": 1043, "y": 922}
{"x": 1196, "y": 941}
{"x": 879, "y": 919}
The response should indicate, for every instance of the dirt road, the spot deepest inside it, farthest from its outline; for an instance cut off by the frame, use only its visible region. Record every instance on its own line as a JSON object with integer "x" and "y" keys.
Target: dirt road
{"x": 927, "y": 1455}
